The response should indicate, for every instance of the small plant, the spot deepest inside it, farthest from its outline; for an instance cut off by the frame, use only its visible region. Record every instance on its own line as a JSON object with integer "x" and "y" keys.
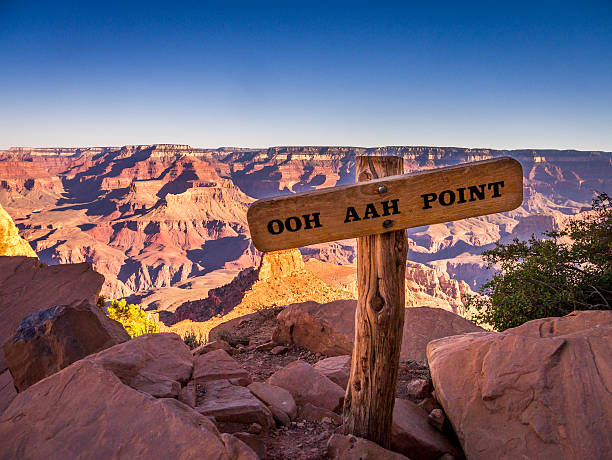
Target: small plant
{"x": 101, "y": 301}
{"x": 135, "y": 321}
{"x": 192, "y": 340}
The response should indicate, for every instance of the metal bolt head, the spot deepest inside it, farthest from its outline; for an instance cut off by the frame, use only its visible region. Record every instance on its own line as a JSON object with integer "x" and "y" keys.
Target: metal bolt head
{"x": 388, "y": 223}
{"x": 382, "y": 189}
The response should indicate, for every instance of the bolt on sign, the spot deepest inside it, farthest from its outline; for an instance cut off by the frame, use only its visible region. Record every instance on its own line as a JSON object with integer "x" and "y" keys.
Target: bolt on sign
{"x": 386, "y": 204}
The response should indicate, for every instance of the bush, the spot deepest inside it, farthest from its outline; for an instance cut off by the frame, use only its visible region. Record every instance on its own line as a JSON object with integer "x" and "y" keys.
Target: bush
{"x": 192, "y": 340}
{"x": 567, "y": 270}
{"x": 135, "y": 321}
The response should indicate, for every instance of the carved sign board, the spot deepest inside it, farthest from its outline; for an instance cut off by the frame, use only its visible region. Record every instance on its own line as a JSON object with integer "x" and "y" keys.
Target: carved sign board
{"x": 389, "y": 203}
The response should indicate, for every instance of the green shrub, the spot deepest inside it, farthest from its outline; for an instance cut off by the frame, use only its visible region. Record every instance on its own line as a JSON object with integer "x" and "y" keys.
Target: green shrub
{"x": 192, "y": 340}
{"x": 135, "y": 321}
{"x": 567, "y": 270}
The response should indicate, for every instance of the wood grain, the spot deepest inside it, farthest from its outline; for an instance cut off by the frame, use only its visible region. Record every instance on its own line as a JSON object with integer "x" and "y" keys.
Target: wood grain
{"x": 379, "y": 322}
{"x": 451, "y": 185}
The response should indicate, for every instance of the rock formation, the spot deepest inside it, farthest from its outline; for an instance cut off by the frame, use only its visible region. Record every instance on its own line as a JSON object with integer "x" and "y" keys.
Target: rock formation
{"x": 330, "y": 328}
{"x": 11, "y": 244}
{"x": 27, "y": 285}
{"x": 540, "y": 390}
{"x": 48, "y": 340}
{"x": 153, "y": 216}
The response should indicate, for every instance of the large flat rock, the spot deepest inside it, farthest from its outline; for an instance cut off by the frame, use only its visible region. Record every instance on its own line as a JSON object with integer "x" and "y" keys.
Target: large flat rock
{"x": 233, "y": 404}
{"x": 219, "y": 365}
{"x": 330, "y": 328}
{"x": 85, "y": 411}
{"x": 158, "y": 364}
{"x": 307, "y": 385}
{"x": 541, "y": 390}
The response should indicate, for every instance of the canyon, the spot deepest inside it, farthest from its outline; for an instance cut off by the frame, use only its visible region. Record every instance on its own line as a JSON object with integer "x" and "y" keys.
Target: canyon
{"x": 166, "y": 223}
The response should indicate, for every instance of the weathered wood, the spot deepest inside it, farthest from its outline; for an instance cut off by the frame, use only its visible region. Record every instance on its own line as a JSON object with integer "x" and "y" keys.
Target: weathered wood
{"x": 379, "y": 321}
{"x": 377, "y": 206}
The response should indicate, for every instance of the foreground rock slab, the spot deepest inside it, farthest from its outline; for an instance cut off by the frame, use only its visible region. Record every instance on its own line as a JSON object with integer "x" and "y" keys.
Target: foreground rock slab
{"x": 330, "y": 328}
{"x": 233, "y": 404}
{"x": 541, "y": 390}
{"x": 412, "y": 434}
{"x": 158, "y": 364}
{"x": 336, "y": 368}
{"x": 219, "y": 365}
{"x": 349, "y": 447}
{"x": 47, "y": 341}
{"x": 307, "y": 385}
{"x": 275, "y": 396}
{"x": 85, "y": 411}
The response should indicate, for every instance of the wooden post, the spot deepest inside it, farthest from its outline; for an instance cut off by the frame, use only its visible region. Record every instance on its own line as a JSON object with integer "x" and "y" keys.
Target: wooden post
{"x": 379, "y": 319}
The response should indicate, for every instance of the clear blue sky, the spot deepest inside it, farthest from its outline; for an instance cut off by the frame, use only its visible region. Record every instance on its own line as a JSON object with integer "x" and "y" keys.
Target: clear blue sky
{"x": 475, "y": 74}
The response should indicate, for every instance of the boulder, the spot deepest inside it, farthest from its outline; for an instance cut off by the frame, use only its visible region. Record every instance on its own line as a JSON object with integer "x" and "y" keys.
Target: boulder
{"x": 233, "y": 404}
{"x": 157, "y": 364}
{"x": 541, "y": 390}
{"x": 418, "y": 389}
{"x": 48, "y": 341}
{"x": 11, "y": 244}
{"x": 424, "y": 324}
{"x": 218, "y": 365}
{"x": 212, "y": 346}
{"x": 237, "y": 449}
{"x": 330, "y": 328}
{"x": 411, "y": 434}
{"x": 307, "y": 385}
{"x": 7, "y": 390}
{"x": 318, "y": 414}
{"x": 187, "y": 394}
{"x": 335, "y": 368}
{"x": 349, "y": 447}
{"x": 322, "y": 328}
{"x": 26, "y": 285}
{"x": 75, "y": 412}
{"x": 275, "y": 396}
{"x": 254, "y": 442}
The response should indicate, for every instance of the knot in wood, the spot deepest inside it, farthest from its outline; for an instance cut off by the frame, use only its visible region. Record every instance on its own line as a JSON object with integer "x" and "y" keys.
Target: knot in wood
{"x": 377, "y": 303}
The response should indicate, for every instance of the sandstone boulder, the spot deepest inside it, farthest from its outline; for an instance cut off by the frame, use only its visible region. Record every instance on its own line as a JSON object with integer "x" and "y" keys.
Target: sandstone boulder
{"x": 412, "y": 434}
{"x": 336, "y": 368}
{"x": 238, "y": 449}
{"x": 321, "y": 328}
{"x": 330, "y": 328}
{"x": 541, "y": 390}
{"x": 47, "y": 341}
{"x": 233, "y": 404}
{"x": 26, "y": 285}
{"x": 307, "y": 385}
{"x": 275, "y": 396}
{"x": 212, "y": 346}
{"x": 11, "y": 244}
{"x": 218, "y": 365}
{"x": 85, "y": 411}
{"x": 349, "y": 447}
{"x": 318, "y": 414}
{"x": 158, "y": 364}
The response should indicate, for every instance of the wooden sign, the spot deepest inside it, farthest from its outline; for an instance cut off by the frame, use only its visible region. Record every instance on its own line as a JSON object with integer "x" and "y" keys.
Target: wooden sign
{"x": 386, "y": 204}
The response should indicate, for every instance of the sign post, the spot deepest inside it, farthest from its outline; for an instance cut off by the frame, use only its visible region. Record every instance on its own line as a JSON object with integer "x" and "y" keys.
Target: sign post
{"x": 379, "y": 321}
{"x": 376, "y": 210}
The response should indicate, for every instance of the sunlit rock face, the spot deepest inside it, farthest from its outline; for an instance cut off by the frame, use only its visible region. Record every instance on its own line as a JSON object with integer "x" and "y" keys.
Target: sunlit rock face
{"x": 153, "y": 217}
